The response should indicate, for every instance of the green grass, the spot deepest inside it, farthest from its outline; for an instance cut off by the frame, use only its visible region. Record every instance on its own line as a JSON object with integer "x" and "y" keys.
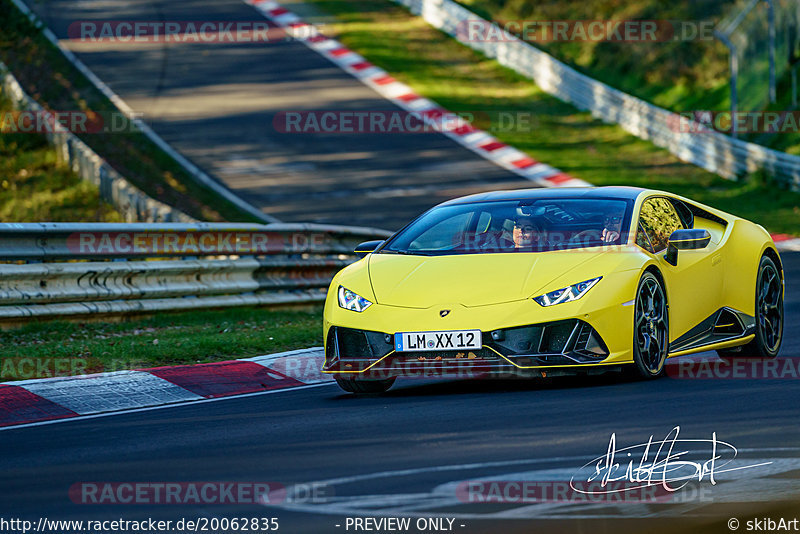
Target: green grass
{"x": 165, "y": 339}
{"x": 34, "y": 187}
{"x": 464, "y": 81}
{"x": 676, "y": 75}
{"x": 48, "y": 77}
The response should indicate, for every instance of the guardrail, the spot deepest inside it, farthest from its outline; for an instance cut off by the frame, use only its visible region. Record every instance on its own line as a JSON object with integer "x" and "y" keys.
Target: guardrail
{"x": 195, "y": 172}
{"x": 687, "y": 139}
{"x": 131, "y": 202}
{"x": 76, "y": 269}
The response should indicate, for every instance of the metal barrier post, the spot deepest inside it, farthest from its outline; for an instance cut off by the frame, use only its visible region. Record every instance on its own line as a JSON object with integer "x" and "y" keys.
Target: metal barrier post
{"x": 734, "y": 66}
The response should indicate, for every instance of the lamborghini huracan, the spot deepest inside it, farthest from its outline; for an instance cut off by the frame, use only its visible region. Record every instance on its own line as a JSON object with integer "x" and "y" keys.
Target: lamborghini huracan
{"x": 543, "y": 282}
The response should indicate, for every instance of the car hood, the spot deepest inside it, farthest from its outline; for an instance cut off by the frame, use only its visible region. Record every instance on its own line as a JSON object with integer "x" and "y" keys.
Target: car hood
{"x": 471, "y": 279}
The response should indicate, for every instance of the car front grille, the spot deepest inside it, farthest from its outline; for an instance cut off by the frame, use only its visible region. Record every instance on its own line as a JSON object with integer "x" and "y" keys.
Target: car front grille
{"x": 564, "y": 342}
{"x": 558, "y": 343}
{"x": 357, "y": 344}
{"x": 483, "y": 354}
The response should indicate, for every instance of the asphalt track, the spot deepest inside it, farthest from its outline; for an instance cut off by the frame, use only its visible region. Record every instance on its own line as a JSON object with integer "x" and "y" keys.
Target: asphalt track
{"x": 516, "y": 430}
{"x": 215, "y": 103}
{"x": 392, "y": 455}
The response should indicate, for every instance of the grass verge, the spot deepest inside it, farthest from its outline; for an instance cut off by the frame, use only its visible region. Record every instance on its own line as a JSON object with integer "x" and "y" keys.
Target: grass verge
{"x": 676, "y": 74}
{"x": 165, "y": 339}
{"x": 34, "y": 187}
{"x": 680, "y": 74}
{"x": 49, "y": 78}
{"x": 464, "y": 81}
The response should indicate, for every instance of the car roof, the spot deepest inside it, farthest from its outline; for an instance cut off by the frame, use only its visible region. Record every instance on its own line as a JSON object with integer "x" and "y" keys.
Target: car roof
{"x": 558, "y": 192}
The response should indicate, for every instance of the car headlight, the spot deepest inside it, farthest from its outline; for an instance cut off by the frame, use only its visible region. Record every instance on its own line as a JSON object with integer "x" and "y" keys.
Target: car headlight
{"x": 352, "y": 301}
{"x": 568, "y": 294}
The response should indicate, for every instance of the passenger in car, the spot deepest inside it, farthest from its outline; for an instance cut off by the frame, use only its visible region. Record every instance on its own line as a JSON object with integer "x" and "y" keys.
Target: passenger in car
{"x": 527, "y": 232}
{"x": 612, "y": 226}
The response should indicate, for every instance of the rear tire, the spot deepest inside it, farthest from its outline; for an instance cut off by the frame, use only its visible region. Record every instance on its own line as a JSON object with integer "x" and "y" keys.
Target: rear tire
{"x": 769, "y": 316}
{"x": 650, "y": 328}
{"x": 360, "y": 386}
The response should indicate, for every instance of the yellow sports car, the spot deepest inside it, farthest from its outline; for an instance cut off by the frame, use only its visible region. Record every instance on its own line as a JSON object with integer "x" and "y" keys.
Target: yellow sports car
{"x": 552, "y": 281}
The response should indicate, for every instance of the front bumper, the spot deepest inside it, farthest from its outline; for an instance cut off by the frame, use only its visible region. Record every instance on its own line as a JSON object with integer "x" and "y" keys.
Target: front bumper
{"x": 535, "y": 337}
{"x": 518, "y": 351}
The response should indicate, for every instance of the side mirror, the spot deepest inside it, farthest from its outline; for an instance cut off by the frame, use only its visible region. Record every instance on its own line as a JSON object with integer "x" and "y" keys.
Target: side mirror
{"x": 685, "y": 240}
{"x": 366, "y": 247}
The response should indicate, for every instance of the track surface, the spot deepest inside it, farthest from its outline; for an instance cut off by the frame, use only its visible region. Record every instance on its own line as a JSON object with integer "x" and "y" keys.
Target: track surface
{"x": 319, "y": 433}
{"x": 215, "y": 103}
{"x": 535, "y": 429}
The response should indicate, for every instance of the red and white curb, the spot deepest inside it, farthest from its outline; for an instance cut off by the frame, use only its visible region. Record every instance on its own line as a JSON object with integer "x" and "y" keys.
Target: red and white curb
{"x": 32, "y": 401}
{"x": 786, "y": 243}
{"x": 479, "y": 141}
{"x": 440, "y": 119}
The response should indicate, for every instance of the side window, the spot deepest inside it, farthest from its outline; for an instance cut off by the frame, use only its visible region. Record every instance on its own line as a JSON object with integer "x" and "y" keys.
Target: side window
{"x": 658, "y": 218}
{"x": 484, "y": 221}
{"x": 642, "y": 240}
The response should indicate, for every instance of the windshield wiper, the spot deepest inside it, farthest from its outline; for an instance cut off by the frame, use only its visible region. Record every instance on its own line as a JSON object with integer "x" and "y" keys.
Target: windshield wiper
{"x": 406, "y": 252}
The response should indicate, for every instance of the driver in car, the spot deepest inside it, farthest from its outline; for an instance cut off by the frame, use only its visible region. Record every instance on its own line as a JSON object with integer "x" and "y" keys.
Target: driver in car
{"x": 611, "y": 230}
{"x": 527, "y": 232}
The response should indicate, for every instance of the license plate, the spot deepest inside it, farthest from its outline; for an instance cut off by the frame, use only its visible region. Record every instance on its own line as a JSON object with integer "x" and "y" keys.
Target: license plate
{"x": 442, "y": 340}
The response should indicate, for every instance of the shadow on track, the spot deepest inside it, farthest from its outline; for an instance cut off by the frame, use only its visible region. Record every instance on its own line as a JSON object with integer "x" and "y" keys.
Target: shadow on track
{"x": 409, "y": 388}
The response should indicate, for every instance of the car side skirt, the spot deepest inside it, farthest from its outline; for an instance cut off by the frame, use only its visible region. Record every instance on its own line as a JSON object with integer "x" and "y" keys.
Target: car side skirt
{"x": 714, "y": 346}
{"x": 726, "y": 326}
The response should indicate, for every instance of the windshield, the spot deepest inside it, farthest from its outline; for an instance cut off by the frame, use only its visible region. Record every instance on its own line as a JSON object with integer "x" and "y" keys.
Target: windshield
{"x": 515, "y": 226}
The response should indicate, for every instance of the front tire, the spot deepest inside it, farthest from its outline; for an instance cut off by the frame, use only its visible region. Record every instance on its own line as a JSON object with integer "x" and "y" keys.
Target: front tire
{"x": 360, "y": 386}
{"x": 769, "y": 316}
{"x": 650, "y": 327}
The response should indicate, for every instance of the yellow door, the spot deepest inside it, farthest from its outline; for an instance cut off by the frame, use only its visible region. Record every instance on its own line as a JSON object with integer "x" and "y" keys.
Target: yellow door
{"x": 694, "y": 284}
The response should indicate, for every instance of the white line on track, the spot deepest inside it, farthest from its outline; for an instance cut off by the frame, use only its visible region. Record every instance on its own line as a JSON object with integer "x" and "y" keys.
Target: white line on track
{"x": 443, "y": 496}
